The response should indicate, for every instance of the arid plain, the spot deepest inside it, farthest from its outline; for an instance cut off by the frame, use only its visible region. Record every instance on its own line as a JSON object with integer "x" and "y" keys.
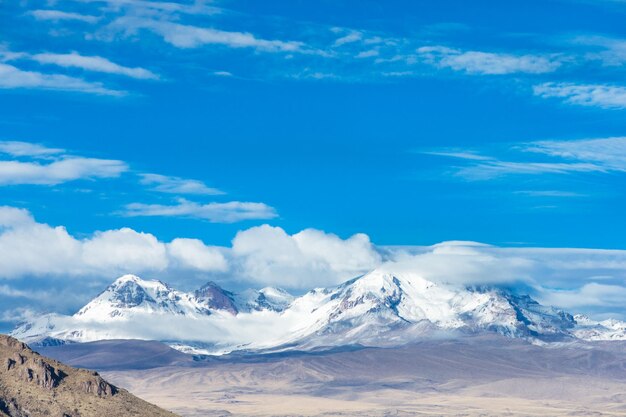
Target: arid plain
{"x": 480, "y": 376}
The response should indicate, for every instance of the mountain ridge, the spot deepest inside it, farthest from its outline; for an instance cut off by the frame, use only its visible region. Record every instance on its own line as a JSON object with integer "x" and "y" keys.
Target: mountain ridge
{"x": 382, "y": 308}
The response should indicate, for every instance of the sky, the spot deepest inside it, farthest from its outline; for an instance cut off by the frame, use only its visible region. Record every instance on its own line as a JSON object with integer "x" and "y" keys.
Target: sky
{"x": 302, "y": 143}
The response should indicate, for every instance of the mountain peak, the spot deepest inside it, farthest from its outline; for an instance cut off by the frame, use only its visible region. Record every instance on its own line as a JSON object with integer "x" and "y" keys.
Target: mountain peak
{"x": 138, "y": 281}
{"x": 128, "y": 277}
{"x": 215, "y": 297}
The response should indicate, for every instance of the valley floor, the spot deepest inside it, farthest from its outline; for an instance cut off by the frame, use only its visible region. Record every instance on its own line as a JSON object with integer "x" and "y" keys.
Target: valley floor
{"x": 490, "y": 376}
{"x": 270, "y": 397}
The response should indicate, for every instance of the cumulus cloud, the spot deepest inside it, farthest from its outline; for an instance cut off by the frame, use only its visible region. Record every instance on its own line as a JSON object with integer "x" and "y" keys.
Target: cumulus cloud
{"x": 194, "y": 254}
{"x": 591, "y": 95}
{"x": 93, "y": 63}
{"x": 12, "y": 77}
{"x": 30, "y": 248}
{"x": 309, "y": 258}
{"x": 229, "y": 212}
{"x": 125, "y": 249}
{"x": 262, "y": 254}
{"x": 177, "y": 185}
{"x": 487, "y": 63}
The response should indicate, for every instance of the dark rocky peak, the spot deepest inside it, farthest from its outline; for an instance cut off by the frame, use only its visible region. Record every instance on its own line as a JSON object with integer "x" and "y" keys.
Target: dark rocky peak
{"x": 215, "y": 297}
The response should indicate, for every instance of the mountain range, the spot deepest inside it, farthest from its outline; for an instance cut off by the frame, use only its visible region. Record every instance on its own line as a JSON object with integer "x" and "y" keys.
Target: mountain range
{"x": 389, "y": 306}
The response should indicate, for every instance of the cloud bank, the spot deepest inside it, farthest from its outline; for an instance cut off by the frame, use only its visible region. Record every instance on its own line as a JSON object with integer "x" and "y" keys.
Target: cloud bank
{"x": 586, "y": 280}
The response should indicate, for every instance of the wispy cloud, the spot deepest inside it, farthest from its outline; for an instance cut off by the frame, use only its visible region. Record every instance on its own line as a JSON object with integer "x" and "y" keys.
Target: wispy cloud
{"x": 550, "y": 193}
{"x": 188, "y": 36}
{"x": 352, "y": 36}
{"x": 57, "y": 172}
{"x": 494, "y": 168}
{"x": 229, "y": 212}
{"x": 602, "y": 155}
{"x": 59, "y": 15}
{"x": 607, "y": 153}
{"x": 595, "y": 95}
{"x": 177, "y": 185}
{"x": 59, "y": 168}
{"x": 93, "y": 63}
{"x": 486, "y": 63}
{"x": 149, "y": 7}
{"x": 609, "y": 51}
{"x": 12, "y": 77}
{"x": 17, "y": 148}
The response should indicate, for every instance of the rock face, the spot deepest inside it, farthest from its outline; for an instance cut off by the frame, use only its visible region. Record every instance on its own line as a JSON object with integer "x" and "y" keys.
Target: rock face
{"x": 32, "y": 385}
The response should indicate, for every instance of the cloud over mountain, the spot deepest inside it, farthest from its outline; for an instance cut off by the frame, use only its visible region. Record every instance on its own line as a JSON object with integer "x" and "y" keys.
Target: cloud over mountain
{"x": 266, "y": 255}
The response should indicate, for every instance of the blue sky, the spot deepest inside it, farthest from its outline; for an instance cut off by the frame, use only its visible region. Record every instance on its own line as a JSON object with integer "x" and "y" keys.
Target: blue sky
{"x": 414, "y": 122}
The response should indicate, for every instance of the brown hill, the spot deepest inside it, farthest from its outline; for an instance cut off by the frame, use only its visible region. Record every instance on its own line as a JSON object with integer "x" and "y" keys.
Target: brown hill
{"x": 33, "y": 385}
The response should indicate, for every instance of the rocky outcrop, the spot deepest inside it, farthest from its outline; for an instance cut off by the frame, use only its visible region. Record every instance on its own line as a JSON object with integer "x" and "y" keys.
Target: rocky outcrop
{"x": 32, "y": 385}
{"x": 98, "y": 386}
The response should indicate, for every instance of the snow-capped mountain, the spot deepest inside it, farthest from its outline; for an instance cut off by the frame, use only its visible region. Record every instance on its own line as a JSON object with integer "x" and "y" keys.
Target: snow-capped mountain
{"x": 388, "y": 306}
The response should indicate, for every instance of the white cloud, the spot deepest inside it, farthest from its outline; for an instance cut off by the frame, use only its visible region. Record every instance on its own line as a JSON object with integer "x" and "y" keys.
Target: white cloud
{"x": 186, "y": 36}
{"x": 488, "y": 63}
{"x": 58, "y": 15}
{"x": 124, "y": 249}
{"x": 29, "y": 248}
{"x": 12, "y": 78}
{"x": 60, "y": 171}
{"x": 594, "y": 95}
{"x": 17, "y": 148}
{"x": 177, "y": 185}
{"x": 263, "y": 254}
{"x": 194, "y": 254}
{"x": 309, "y": 258}
{"x": 93, "y": 63}
{"x": 230, "y": 212}
{"x": 589, "y": 280}
{"x": 466, "y": 263}
{"x": 589, "y": 295}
